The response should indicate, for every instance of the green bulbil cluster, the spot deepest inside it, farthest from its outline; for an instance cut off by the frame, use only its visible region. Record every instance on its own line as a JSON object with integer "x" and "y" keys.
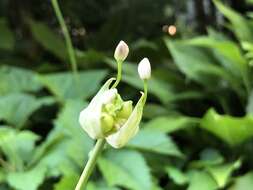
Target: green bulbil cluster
{"x": 115, "y": 114}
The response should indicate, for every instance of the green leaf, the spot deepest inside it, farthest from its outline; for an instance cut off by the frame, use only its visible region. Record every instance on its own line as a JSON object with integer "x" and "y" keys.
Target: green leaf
{"x": 2, "y": 176}
{"x": 67, "y": 182}
{"x": 233, "y": 130}
{"x": 201, "y": 180}
{"x": 18, "y": 147}
{"x": 125, "y": 168}
{"x": 167, "y": 124}
{"x": 240, "y": 25}
{"x": 14, "y": 79}
{"x": 177, "y": 175}
{"x": 48, "y": 39}
{"x": 156, "y": 87}
{"x": 17, "y": 108}
{"x": 222, "y": 173}
{"x": 6, "y": 38}
{"x": 244, "y": 182}
{"x": 100, "y": 185}
{"x": 230, "y": 57}
{"x": 85, "y": 85}
{"x": 68, "y": 145}
{"x": 156, "y": 142}
{"x": 208, "y": 157}
{"x": 67, "y": 121}
{"x": 197, "y": 65}
{"x": 28, "y": 180}
{"x": 228, "y": 49}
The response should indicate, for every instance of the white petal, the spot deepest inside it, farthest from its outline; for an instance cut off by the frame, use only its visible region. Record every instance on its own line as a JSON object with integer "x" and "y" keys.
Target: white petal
{"x": 89, "y": 118}
{"x": 129, "y": 129}
{"x": 109, "y": 96}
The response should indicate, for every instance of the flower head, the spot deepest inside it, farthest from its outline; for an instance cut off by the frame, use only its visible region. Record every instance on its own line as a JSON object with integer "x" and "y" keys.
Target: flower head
{"x": 144, "y": 69}
{"x": 108, "y": 116}
{"x": 121, "y": 51}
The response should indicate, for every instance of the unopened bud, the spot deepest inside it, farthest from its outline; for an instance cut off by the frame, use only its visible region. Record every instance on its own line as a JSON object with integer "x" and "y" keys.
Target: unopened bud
{"x": 126, "y": 110}
{"x": 106, "y": 123}
{"x": 144, "y": 69}
{"x": 121, "y": 51}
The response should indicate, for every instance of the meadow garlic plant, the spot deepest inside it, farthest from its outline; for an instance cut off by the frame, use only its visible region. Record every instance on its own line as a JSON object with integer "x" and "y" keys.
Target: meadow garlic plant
{"x": 108, "y": 118}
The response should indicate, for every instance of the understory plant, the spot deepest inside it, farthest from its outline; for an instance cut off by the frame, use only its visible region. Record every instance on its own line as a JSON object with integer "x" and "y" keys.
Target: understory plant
{"x": 108, "y": 118}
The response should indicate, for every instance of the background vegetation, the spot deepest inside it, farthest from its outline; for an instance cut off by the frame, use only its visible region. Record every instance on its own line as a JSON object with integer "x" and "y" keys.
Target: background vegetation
{"x": 198, "y": 124}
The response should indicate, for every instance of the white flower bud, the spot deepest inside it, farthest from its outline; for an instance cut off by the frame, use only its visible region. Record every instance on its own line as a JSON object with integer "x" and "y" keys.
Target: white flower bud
{"x": 144, "y": 69}
{"x": 121, "y": 51}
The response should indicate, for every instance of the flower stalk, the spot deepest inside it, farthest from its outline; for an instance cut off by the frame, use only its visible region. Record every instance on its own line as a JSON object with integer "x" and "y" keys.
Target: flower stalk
{"x": 90, "y": 164}
{"x": 67, "y": 37}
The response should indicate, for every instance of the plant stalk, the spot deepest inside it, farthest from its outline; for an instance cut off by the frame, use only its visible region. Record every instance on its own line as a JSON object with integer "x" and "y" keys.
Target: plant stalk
{"x": 119, "y": 63}
{"x": 90, "y": 164}
{"x": 66, "y": 34}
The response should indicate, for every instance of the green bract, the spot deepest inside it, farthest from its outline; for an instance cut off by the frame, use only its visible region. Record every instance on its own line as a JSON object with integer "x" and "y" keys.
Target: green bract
{"x": 108, "y": 116}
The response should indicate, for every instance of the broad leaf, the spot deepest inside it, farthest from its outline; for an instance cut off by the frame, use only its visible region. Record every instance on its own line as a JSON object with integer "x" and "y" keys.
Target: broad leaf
{"x": 244, "y": 182}
{"x": 28, "y": 180}
{"x": 156, "y": 142}
{"x": 125, "y": 168}
{"x": 201, "y": 180}
{"x": 14, "y": 79}
{"x": 197, "y": 65}
{"x": 177, "y": 175}
{"x": 15, "y": 109}
{"x": 233, "y": 130}
{"x": 240, "y": 25}
{"x": 222, "y": 173}
{"x": 67, "y": 86}
{"x": 18, "y": 147}
{"x": 170, "y": 124}
{"x": 48, "y": 39}
{"x": 67, "y": 182}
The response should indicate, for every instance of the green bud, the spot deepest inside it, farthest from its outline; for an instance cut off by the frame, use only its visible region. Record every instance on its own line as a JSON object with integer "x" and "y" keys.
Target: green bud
{"x": 126, "y": 109}
{"x": 107, "y": 122}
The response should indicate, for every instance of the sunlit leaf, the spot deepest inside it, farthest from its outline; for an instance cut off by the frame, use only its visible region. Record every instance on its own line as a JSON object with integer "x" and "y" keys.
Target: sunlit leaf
{"x": 28, "y": 180}
{"x": 125, "y": 168}
{"x": 15, "y": 79}
{"x": 67, "y": 86}
{"x": 239, "y": 23}
{"x": 167, "y": 124}
{"x": 18, "y": 147}
{"x": 233, "y": 130}
{"x": 222, "y": 173}
{"x": 177, "y": 175}
{"x": 15, "y": 109}
{"x": 244, "y": 182}
{"x": 201, "y": 180}
{"x": 156, "y": 142}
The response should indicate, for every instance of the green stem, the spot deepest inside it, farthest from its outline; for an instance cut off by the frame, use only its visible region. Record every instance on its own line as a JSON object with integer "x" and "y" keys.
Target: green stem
{"x": 90, "y": 164}
{"x": 68, "y": 41}
{"x": 145, "y": 82}
{"x": 119, "y": 63}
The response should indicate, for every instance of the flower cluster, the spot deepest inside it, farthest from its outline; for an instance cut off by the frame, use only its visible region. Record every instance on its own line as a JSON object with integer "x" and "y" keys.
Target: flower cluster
{"x": 108, "y": 116}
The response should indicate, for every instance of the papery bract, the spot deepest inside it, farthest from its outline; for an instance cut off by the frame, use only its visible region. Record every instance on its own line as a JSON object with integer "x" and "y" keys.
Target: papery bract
{"x": 130, "y": 128}
{"x": 90, "y": 117}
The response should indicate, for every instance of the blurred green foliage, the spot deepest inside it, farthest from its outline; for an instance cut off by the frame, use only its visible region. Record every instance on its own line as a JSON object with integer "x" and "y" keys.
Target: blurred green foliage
{"x": 197, "y": 127}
